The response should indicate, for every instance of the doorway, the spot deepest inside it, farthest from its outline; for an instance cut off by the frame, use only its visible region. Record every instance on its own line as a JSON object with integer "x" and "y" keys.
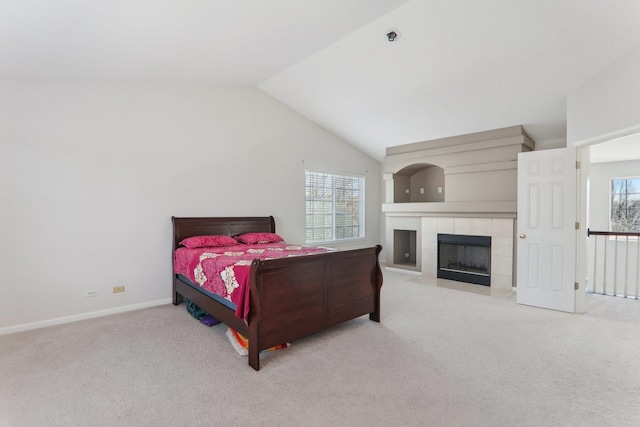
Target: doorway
{"x": 610, "y": 254}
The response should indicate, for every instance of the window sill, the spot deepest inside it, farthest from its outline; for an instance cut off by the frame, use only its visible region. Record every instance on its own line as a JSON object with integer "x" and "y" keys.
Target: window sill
{"x": 343, "y": 242}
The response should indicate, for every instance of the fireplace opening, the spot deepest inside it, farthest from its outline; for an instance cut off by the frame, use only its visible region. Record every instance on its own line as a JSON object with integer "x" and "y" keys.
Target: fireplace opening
{"x": 404, "y": 247}
{"x": 465, "y": 258}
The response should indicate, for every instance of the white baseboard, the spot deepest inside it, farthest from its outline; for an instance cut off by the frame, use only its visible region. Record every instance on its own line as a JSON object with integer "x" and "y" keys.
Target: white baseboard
{"x": 83, "y": 316}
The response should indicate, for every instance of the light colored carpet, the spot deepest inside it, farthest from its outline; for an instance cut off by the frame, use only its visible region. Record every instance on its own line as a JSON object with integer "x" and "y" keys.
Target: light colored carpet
{"x": 440, "y": 357}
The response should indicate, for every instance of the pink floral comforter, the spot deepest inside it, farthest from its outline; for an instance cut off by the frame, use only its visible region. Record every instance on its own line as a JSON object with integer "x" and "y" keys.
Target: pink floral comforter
{"x": 224, "y": 270}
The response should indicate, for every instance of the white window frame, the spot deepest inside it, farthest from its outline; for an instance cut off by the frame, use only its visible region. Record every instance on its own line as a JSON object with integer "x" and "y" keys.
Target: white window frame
{"x": 611, "y": 196}
{"x": 361, "y": 209}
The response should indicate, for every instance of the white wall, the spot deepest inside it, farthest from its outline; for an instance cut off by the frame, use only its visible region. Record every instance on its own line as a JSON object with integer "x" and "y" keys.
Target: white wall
{"x": 607, "y": 104}
{"x": 92, "y": 173}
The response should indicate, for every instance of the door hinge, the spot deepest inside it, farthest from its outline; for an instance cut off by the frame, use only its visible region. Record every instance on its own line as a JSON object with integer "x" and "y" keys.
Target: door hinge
{"x": 577, "y": 286}
{"x": 577, "y": 164}
{"x": 577, "y": 226}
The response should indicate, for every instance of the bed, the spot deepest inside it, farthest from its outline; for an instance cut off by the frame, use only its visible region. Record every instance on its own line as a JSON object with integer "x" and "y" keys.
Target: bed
{"x": 289, "y": 298}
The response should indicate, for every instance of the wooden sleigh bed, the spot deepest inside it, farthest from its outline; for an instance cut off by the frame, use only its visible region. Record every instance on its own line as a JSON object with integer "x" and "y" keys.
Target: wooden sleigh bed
{"x": 289, "y": 297}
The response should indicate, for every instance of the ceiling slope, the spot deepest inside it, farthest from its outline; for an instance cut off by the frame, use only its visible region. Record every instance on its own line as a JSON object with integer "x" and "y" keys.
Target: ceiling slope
{"x": 218, "y": 42}
{"x": 459, "y": 67}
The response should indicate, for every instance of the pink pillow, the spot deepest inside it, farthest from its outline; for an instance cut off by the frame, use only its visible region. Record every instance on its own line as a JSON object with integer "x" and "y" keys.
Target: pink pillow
{"x": 208, "y": 241}
{"x": 253, "y": 238}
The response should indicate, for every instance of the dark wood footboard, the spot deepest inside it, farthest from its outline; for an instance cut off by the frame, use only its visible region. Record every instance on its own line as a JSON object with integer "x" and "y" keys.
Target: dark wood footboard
{"x": 295, "y": 297}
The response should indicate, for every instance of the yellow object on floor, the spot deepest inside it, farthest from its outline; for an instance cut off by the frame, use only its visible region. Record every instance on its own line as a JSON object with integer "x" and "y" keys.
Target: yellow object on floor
{"x": 241, "y": 344}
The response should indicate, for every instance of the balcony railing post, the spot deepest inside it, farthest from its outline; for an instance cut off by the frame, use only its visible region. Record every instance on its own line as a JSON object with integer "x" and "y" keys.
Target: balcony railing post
{"x": 615, "y": 267}
{"x": 604, "y": 269}
{"x": 595, "y": 265}
{"x": 637, "y": 269}
{"x": 626, "y": 264}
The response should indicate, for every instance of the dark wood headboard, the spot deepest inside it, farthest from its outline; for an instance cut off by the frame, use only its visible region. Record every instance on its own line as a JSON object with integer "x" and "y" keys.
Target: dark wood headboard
{"x": 228, "y": 226}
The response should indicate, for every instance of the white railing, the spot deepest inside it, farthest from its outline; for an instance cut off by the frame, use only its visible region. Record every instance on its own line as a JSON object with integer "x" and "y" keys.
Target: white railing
{"x": 616, "y": 260}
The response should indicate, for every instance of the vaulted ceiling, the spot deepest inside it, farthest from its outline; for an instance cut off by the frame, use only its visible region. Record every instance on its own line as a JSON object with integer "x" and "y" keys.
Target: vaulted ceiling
{"x": 456, "y": 66}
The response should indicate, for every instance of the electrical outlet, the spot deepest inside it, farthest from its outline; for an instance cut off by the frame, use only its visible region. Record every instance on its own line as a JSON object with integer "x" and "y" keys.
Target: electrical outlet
{"x": 91, "y": 293}
{"x": 117, "y": 289}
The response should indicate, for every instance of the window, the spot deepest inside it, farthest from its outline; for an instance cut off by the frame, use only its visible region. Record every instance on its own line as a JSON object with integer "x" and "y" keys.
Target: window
{"x": 625, "y": 205}
{"x": 334, "y": 207}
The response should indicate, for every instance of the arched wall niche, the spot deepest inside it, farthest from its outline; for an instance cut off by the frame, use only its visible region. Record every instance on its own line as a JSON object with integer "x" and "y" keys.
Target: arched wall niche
{"x": 419, "y": 182}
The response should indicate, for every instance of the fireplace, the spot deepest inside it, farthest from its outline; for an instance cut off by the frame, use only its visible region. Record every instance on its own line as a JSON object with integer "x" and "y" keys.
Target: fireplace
{"x": 464, "y": 258}
{"x": 429, "y": 225}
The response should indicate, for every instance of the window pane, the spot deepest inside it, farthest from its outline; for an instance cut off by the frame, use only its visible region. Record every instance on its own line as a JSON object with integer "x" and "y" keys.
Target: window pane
{"x": 333, "y": 207}
{"x": 625, "y": 205}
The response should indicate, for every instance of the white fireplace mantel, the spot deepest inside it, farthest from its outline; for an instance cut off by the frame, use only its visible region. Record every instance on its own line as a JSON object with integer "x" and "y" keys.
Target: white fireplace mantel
{"x": 499, "y": 209}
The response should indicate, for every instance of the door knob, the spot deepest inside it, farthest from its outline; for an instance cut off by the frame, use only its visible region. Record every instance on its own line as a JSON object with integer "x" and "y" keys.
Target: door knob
{"x": 523, "y": 236}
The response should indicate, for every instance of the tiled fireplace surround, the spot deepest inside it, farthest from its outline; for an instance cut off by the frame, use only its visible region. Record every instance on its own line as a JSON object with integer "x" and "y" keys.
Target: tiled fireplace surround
{"x": 501, "y": 231}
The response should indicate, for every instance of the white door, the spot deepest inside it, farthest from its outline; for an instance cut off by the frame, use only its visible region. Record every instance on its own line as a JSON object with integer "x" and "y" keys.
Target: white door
{"x": 546, "y": 229}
